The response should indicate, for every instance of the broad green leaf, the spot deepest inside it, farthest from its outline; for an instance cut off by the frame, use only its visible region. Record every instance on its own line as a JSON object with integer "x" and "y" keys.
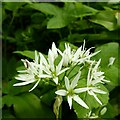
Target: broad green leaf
{"x": 77, "y": 9}
{"x": 27, "y": 53}
{"x": 56, "y": 22}
{"x": 110, "y": 113}
{"x": 48, "y": 97}
{"x": 46, "y": 8}
{"x": 29, "y": 106}
{"x": 105, "y": 18}
{"x": 108, "y": 50}
{"x": 89, "y": 99}
{"x": 112, "y": 75}
{"x": 13, "y": 6}
{"x": 8, "y": 100}
{"x": 79, "y": 110}
{"x": 9, "y": 89}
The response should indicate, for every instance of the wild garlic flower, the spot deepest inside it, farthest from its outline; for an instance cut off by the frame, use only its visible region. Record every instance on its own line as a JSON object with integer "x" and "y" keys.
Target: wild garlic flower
{"x": 85, "y": 55}
{"x": 93, "y": 78}
{"x": 32, "y": 73}
{"x": 49, "y": 65}
{"x": 81, "y": 55}
{"x": 71, "y": 92}
{"x": 95, "y": 75}
{"x": 50, "y": 69}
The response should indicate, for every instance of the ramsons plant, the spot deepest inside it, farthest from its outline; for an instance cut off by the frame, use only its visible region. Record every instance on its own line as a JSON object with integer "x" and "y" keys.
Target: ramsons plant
{"x": 77, "y": 78}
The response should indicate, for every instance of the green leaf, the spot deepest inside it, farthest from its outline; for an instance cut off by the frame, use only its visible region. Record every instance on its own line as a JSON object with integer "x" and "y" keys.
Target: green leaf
{"x": 29, "y": 106}
{"x": 9, "y": 89}
{"x": 79, "y": 110}
{"x": 89, "y": 99}
{"x": 77, "y": 9}
{"x": 27, "y": 53}
{"x": 8, "y": 100}
{"x": 46, "y": 8}
{"x": 48, "y": 97}
{"x": 57, "y": 22}
{"x": 110, "y": 113}
{"x": 105, "y": 18}
{"x": 13, "y": 6}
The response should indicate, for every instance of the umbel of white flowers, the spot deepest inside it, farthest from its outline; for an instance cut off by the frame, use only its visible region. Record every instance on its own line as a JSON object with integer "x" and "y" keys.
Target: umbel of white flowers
{"x": 41, "y": 68}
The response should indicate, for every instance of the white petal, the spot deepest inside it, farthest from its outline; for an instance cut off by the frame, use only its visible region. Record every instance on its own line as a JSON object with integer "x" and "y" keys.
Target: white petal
{"x": 67, "y": 83}
{"x": 62, "y": 71}
{"x": 24, "y": 77}
{"x": 97, "y": 65}
{"x": 58, "y": 68}
{"x": 45, "y": 69}
{"x": 80, "y": 101}
{"x": 93, "y": 94}
{"x": 22, "y": 71}
{"x": 24, "y": 83}
{"x": 42, "y": 58}
{"x": 54, "y": 50}
{"x": 89, "y": 79}
{"x": 69, "y": 99}
{"x": 60, "y": 52}
{"x": 80, "y": 90}
{"x": 76, "y": 55}
{"x": 45, "y": 76}
{"x": 75, "y": 80}
{"x": 61, "y": 92}
{"x": 34, "y": 86}
{"x": 55, "y": 80}
{"x": 36, "y": 57}
{"x": 83, "y": 47}
{"x": 98, "y": 91}
{"x": 51, "y": 60}
{"x": 93, "y": 54}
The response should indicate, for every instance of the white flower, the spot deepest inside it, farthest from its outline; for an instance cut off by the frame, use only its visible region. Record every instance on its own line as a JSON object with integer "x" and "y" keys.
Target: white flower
{"x": 71, "y": 92}
{"x": 111, "y": 61}
{"x": 50, "y": 69}
{"x": 67, "y": 55}
{"x": 81, "y": 55}
{"x": 33, "y": 73}
{"x": 85, "y": 55}
{"x": 94, "y": 77}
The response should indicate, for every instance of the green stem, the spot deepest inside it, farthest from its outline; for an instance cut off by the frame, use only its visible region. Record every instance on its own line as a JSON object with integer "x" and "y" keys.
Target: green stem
{"x": 72, "y": 69}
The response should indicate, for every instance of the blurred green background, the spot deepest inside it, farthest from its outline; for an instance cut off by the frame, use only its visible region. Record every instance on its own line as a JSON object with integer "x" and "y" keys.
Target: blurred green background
{"x": 29, "y": 26}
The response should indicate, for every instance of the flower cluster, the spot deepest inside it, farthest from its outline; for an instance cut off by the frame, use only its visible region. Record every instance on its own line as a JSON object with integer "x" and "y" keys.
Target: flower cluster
{"x": 59, "y": 63}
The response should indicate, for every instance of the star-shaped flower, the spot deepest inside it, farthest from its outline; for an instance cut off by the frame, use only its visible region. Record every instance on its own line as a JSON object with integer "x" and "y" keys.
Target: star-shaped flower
{"x": 71, "y": 92}
{"x": 32, "y": 73}
{"x": 81, "y": 55}
{"x": 93, "y": 78}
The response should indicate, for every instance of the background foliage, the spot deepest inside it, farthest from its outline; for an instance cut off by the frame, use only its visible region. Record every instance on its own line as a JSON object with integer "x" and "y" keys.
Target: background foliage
{"x": 34, "y": 26}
